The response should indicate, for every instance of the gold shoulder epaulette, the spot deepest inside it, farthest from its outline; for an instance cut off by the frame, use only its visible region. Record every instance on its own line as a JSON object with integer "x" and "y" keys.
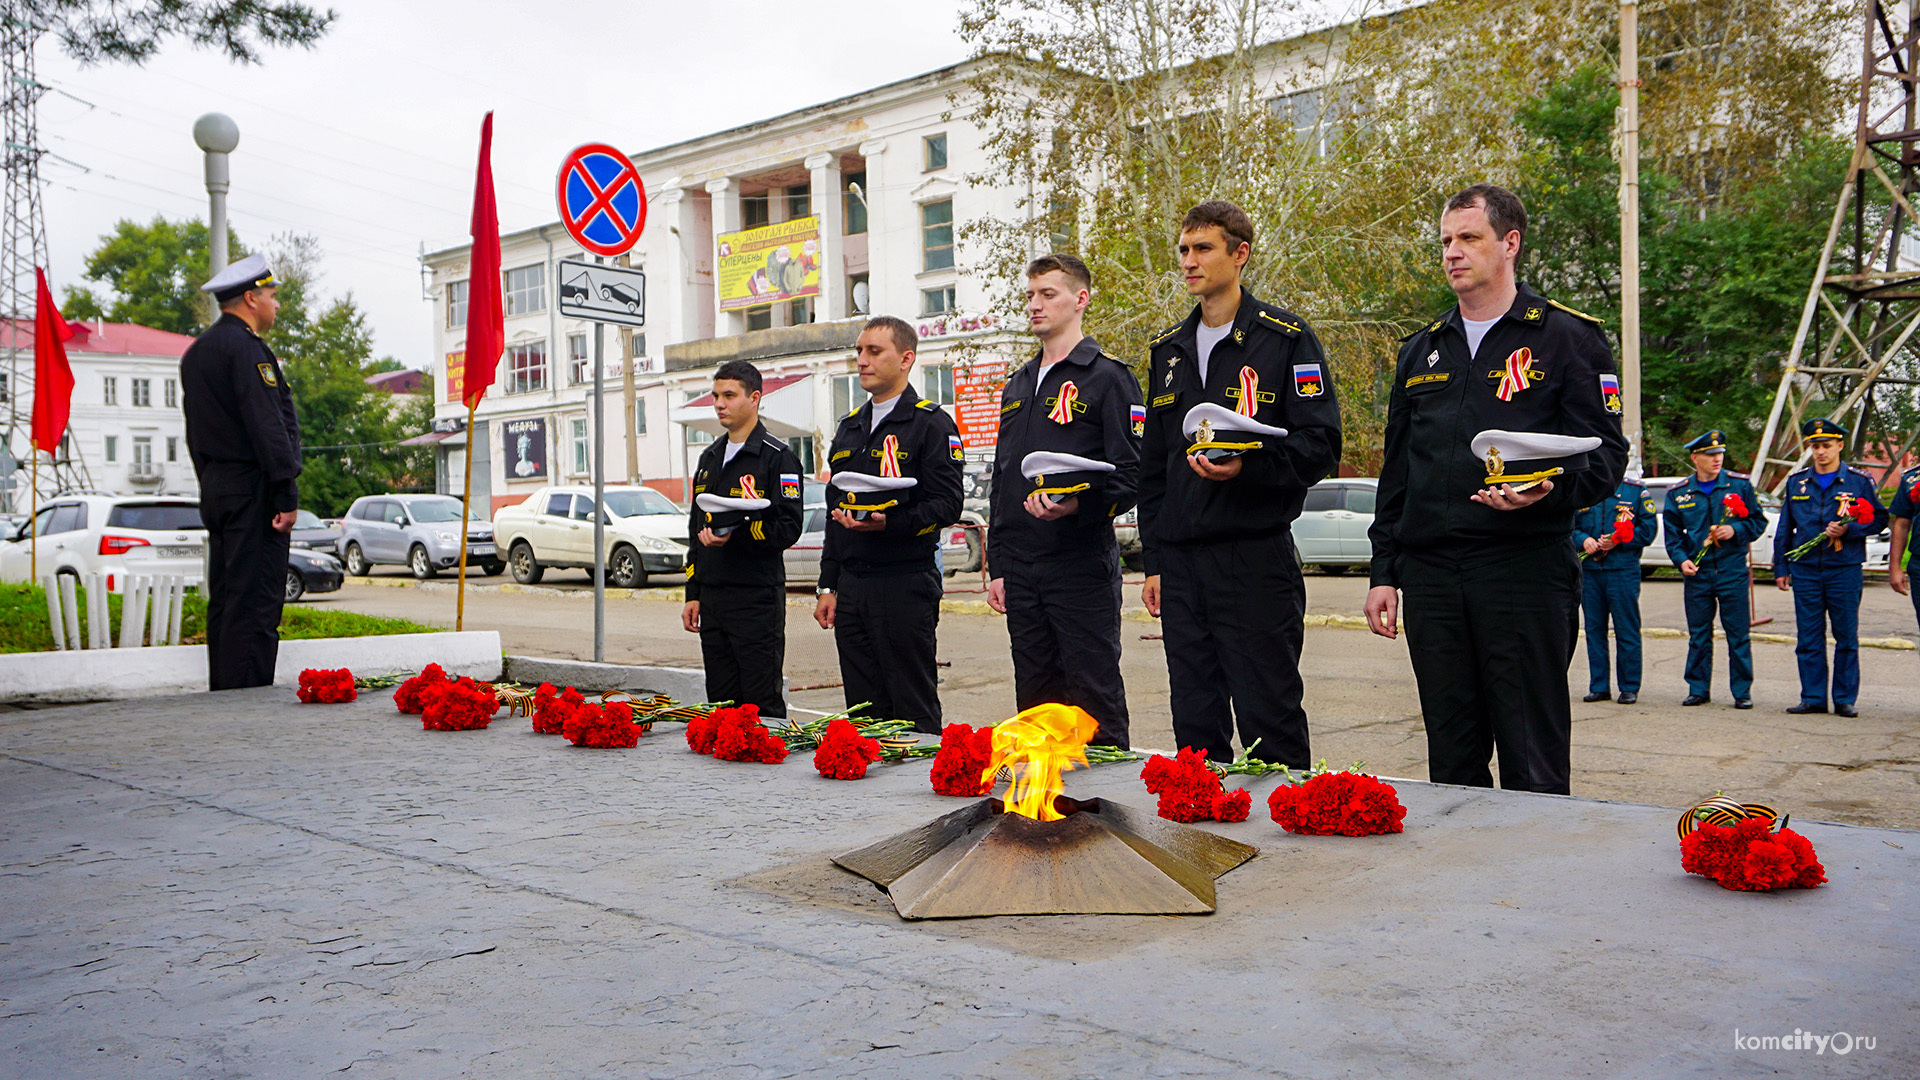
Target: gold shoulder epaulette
{"x": 1576, "y": 313}
{"x": 923, "y": 403}
{"x": 1168, "y": 332}
{"x": 1288, "y": 328}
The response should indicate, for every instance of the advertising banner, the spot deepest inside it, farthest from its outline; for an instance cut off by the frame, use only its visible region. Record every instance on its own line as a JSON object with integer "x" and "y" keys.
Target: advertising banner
{"x": 769, "y": 264}
{"x": 525, "y": 442}
{"x": 976, "y": 401}
{"x": 456, "y": 371}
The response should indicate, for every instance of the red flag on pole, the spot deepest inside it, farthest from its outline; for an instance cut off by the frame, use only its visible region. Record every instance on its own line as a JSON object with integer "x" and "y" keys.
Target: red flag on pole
{"x": 486, "y": 323}
{"x": 52, "y": 376}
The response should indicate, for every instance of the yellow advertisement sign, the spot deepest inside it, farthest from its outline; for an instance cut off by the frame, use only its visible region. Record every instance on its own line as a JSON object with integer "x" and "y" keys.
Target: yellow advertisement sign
{"x": 456, "y": 380}
{"x": 769, "y": 264}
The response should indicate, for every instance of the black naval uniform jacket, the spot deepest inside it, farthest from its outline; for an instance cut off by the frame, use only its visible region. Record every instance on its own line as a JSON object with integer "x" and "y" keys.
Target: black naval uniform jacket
{"x": 1103, "y": 428}
{"x": 1441, "y": 398}
{"x": 753, "y": 555}
{"x": 1293, "y": 389}
{"x": 239, "y": 415}
{"x": 930, "y": 451}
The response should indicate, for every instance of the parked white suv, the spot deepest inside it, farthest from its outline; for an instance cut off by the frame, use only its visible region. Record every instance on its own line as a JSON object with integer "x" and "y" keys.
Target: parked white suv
{"x": 91, "y": 534}
{"x": 646, "y": 533}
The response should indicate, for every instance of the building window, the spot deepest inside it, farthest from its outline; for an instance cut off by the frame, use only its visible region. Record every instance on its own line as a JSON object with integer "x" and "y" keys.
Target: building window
{"x": 802, "y": 447}
{"x": 847, "y": 395}
{"x": 143, "y": 450}
{"x": 799, "y": 201}
{"x": 936, "y": 301}
{"x": 113, "y": 448}
{"x": 760, "y": 318}
{"x": 755, "y": 210}
{"x": 1315, "y": 116}
{"x": 639, "y": 346}
{"x": 527, "y": 367}
{"x": 856, "y": 204}
{"x": 800, "y": 312}
{"x": 859, "y": 294}
{"x": 936, "y": 235}
{"x": 456, "y": 305}
{"x": 173, "y": 448}
{"x": 936, "y": 152}
{"x": 578, "y": 370}
{"x": 527, "y": 290}
{"x": 640, "y": 416}
{"x": 580, "y": 446}
{"x": 142, "y": 392}
{"x": 173, "y": 394}
{"x": 696, "y": 437}
{"x": 936, "y": 384}
{"x": 110, "y": 392}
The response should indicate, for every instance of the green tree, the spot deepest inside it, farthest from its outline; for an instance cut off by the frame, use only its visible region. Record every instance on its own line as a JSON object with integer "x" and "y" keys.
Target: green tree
{"x": 153, "y": 275}
{"x": 131, "y": 31}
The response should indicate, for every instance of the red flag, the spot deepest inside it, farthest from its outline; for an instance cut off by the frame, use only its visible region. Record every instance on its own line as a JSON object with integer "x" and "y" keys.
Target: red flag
{"x": 486, "y": 323}
{"x": 52, "y": 376}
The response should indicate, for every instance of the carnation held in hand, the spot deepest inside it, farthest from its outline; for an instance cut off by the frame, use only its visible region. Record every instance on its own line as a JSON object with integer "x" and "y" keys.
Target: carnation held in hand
{"x": 326, "y": 687}
{"x": 1337, "y": 804}
{"x": 844, "y": 753}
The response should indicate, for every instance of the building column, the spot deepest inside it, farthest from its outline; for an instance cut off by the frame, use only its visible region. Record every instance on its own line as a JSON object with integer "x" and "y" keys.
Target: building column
{"x": 883, "y": 295}
{"x": 830, "y": 205}
{"x": 726, "y": 219}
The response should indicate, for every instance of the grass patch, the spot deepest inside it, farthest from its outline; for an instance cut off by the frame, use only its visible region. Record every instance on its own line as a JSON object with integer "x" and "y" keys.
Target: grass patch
{"x": 24, "y": 626}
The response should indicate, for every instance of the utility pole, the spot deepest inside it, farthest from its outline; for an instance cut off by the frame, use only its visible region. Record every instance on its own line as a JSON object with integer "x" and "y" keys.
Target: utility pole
{"x": 1630, "y": 232}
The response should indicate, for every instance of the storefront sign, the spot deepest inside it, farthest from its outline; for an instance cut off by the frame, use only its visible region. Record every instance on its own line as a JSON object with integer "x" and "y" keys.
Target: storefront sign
{"x": 976, "y": 401}
{"x": 769, "y": 264}
{"x": 456, "y": 375}
{"x": 526, "y": 447}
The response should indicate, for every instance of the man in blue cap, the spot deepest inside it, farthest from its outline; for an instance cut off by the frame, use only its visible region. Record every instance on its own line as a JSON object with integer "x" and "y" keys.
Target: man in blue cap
{"x": 1817, "y": 553}
{"x": 1611, "y": 583}
{"x": 1712, "y": 519}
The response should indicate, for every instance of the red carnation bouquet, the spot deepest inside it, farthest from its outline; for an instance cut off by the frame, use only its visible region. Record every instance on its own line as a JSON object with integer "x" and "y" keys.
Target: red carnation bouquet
{"x": 960, "y": 766}
{"x": 735, "y": 734}
{"x": 1748, "y": 857}
{"x": 1732, "y": 508}
{"x": 608, "y": 726}
{"x": 465, "y": 705}
{"x": 1860, "y": 510}
{"x": 1337, "y": 804}
{"x": 552, "y": 708}
{"x": 1190, "y": 791}
{"x": 844, "y": 753}
{"x": 411, "y": 697}
{"x": 320, "y": 686}
{"x": 1622, "y": 531}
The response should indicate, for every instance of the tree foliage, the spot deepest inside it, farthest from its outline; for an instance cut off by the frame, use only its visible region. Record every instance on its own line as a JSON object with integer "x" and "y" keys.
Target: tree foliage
{"x": 131, "y": 31}
{"x": 154, "y": 273}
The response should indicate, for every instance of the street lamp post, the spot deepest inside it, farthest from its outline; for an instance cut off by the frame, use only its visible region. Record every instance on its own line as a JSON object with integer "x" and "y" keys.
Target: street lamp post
{"x": 217, "y": 134}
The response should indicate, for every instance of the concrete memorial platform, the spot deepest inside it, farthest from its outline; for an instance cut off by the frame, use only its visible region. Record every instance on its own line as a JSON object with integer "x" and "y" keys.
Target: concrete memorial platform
{"x": 236, "y": 885}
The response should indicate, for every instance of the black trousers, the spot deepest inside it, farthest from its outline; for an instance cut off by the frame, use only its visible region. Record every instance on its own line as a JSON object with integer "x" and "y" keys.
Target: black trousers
{"x": 884, "y": 627}
{"x": 1063, "y": 619}
{"x": 1231, "y": 616}
{"x": 743, "y": 643}
{"x": 1490, "y": 643}
{"x": 246, "y": 587}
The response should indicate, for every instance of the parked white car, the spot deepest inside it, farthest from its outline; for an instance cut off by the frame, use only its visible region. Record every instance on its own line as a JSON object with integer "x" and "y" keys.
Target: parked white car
{"x": 1331, "y": 532}
{"x": 959, "y": 545}
{"x": 646, "y": 533}
{"x": 91, "y": 534}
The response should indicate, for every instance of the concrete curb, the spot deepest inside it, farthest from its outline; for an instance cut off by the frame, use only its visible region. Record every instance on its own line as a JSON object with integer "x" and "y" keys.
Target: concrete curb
{"x": 114, "y": 674}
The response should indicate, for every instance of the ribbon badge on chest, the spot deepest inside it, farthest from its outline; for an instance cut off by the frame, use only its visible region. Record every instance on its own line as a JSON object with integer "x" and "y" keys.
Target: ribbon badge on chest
{"x": 1249, "y": 392}
{"x": 890, "y": 456}
{"x": 746, "y": 487}
{"x": 1062, "y": 412}
{"x": 1515, "y": 376}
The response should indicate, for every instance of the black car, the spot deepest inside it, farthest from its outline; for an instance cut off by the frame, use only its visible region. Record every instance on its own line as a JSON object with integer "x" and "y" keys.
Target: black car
{"x": 313, "y": 534}
{"x": 620, "y": 294}
{"x": 572, "y": 291}
{"x": 312, "y": 571}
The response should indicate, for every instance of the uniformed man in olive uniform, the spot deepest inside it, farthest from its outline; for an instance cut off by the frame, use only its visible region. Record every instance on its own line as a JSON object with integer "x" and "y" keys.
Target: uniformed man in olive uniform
{"x": 1712, "y": 518}
{"x": 1492, "y": 586}
{"x": 1610, "y": 584}
{"x": 736, "y": 572}
{"x": 245, "y": 444}
{"x": 1826, "y": 581}
{"x": 1053, "y": 565}
{"x": 880, "y": 580}
{"x": 1222, "y": 572}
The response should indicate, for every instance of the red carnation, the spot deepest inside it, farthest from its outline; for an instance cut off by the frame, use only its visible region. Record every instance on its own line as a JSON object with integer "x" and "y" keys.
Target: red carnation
{"x": 1233, "y": 805}
{"x": 1736, "y": 506}
{"x": 1748, "y": 857}
{"x": 739, "y": 736}
{"x": 410, "y": 698}
{"x": 1861, "y": 510}
{"x": 1913, "y": 493}
{"x": 608, "y": 726}
{"x": 553, "y": 710}
{"x": 958, "y": 767}
{"x": 465, "y": 705}
{"x": 1623, "y": 531}
{"x": 1337, "y": 803}
{"x": 326, "y": 687}
{"x": 844, "y": 753}
{"x": 1190, "y": 791}
{"x": 702, "y": 729}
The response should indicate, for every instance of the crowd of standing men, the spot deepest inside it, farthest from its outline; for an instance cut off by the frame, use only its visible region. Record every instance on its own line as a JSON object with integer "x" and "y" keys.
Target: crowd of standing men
{"x": 1238, "y": 420}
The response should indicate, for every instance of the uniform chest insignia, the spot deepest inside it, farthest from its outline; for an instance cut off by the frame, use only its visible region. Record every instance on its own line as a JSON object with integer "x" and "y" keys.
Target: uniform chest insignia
{"x": 1517, "y": 374}
{"x": 1239, "y": 336}
{"x": 266, "y": 374}
{"x": 1164, "y": 400}
{"x": 1172, "y": 362}
{"x": 1248, "y": 395}
{"x": 1433, "y": 357}
{"x": 1060, "y": 409}
{"x": 746, "y": 488}
{"x": 1533, "y": 315}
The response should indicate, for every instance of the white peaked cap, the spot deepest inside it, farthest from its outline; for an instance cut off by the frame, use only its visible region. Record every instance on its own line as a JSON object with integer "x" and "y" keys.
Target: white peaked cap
{"x": 1532, "y": 445}
{"x": 251, "y": 272}
{"x": 1226, "y": 421}
{"x": 859, "y": 481}
{"x": 1042, "y": 462}
{"x": 715, "y": 504}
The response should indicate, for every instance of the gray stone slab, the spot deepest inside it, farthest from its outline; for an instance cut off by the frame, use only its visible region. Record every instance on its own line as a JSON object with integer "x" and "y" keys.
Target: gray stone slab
{"x": 234, "y": 885}
{"x": 687, "y": 685}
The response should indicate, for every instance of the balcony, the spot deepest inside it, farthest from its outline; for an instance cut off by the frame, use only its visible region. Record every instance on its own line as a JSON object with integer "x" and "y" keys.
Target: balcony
{"x": 145, "y": 473}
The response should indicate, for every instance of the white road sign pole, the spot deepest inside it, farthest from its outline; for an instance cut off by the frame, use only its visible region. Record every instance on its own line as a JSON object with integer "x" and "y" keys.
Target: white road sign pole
{"x": 599, "y": 499}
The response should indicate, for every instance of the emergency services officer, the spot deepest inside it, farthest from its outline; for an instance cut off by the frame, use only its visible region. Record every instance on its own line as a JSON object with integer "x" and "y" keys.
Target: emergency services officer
{"x": 1820, "y": 504}
{"x": 896, "y": 466}
{"x": 1906, "y": 503}
{"x": 1712, "y": 518}
{"x": 1610, "y": 583}
{"x": 245, "y": 444}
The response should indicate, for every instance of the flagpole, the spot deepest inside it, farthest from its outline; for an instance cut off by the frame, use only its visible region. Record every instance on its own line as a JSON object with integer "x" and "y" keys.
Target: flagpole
{"x": 466, "y": 514}
{"x": 33, "y": 533}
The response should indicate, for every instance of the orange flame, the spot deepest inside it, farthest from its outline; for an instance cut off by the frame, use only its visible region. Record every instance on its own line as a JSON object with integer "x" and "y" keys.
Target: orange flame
{"x": 1036, "y": 747}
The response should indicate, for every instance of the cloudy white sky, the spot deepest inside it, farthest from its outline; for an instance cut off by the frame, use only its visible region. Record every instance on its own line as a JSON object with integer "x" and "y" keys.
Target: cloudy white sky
{"x": 368, "y": 141}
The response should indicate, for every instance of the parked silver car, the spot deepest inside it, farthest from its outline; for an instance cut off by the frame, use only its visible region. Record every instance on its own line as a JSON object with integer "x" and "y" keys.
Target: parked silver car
{"x": 1332, "y": 530}
{"x": 420, "y": 532}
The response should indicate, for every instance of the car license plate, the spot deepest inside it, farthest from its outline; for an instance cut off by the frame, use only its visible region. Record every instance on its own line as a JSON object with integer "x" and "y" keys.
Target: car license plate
{"x": 180, "y": 552}
{"x": 479, "y": 549}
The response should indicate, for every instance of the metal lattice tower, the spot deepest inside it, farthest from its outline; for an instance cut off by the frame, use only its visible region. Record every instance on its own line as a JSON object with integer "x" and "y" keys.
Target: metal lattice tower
{"x": 1857, "y": 331}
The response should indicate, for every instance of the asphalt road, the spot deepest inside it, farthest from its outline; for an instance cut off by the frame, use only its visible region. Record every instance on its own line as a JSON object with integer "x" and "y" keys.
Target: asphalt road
{"x": 1361, "y": 699}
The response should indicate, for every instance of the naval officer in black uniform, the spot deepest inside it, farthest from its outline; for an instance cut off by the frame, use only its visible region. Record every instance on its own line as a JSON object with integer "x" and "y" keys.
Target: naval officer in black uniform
{"x": 1491, "y": 582}
{"x": 245, "y": 444}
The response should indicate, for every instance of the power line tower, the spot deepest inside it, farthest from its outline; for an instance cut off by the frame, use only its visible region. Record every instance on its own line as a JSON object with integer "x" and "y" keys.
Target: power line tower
{"x": 1857, "y": 334}
{"x": 23, "y": 246}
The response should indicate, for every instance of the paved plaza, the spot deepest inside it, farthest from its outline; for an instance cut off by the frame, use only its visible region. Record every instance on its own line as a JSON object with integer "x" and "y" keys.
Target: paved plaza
{"x": 234, "y": 885}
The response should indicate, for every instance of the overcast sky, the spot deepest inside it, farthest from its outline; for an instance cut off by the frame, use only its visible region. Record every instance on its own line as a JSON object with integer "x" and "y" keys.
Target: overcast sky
{"x": 368, "y": 141}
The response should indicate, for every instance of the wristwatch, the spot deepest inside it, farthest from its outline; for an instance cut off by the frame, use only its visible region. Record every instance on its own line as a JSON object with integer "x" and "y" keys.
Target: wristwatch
{"x": 822, "y": 590}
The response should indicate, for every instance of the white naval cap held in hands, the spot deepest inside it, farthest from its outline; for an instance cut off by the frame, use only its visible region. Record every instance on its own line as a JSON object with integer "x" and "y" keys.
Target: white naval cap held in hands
{"x": 1219, "y": 432}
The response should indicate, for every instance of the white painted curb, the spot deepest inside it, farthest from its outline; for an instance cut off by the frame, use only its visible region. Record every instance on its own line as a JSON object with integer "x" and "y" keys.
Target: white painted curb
{"x": 112, "y": 674}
